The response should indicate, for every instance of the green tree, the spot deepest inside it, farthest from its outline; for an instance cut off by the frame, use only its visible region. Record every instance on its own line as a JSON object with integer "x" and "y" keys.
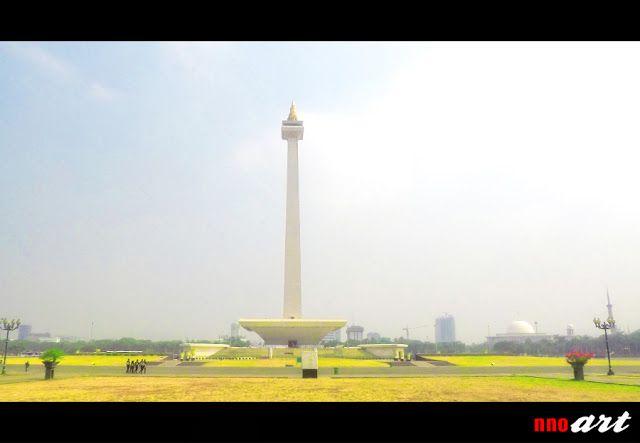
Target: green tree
{"x": 50, "y": 358}
{"x": 53, "y": 355}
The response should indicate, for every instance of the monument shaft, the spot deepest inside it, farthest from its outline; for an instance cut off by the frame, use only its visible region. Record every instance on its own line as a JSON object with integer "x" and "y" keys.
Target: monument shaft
{"x": 292, "y": 267}
{"x": 292, "y": 131}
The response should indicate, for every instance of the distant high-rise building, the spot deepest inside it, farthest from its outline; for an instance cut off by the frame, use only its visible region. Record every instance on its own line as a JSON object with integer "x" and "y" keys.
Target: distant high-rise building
{"x": 373, "y": 336}
{"x": 610, "y": 312}
{"x": 334, "y": 336}
{"x": 24, "y": 331}
{"x": 570, "y": 330}
{"x": 355, "y": 332}
{"x": 445, "y": 329}
{"x": 235, "y": 330}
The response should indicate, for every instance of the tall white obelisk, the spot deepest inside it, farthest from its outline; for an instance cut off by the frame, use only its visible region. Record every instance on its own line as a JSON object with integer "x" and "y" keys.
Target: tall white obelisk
{"x": 292, "y": 330}
{"x": 292, "y": 131}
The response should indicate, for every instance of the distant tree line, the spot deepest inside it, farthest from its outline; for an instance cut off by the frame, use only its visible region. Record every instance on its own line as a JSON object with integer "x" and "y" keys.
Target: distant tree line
{"x": 123, "y": 344}
{"x": 416, "y": 346}
{"x": 621, "y": 345}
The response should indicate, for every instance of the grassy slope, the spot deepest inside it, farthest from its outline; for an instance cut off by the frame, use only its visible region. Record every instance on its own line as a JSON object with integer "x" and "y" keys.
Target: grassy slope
{"x": 506, "y": 360}
{"x": 323, "y": 389}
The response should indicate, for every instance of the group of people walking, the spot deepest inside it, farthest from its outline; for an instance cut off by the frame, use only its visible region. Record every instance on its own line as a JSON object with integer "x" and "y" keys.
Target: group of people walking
{"x": 137, "y": 366}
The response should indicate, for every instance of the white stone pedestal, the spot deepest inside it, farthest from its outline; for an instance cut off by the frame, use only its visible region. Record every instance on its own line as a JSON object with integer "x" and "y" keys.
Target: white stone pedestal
{"x": 310, "y": 363}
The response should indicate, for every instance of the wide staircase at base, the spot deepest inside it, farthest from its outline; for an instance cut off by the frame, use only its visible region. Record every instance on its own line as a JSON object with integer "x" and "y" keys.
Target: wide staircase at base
{"x": 401, "y": 363}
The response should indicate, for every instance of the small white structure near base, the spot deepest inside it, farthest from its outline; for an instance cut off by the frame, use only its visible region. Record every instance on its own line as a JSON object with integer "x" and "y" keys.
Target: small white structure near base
{"x": 202, "y": 350}
{"x": 309, "y": 360}
{"x": 386, "y": 350}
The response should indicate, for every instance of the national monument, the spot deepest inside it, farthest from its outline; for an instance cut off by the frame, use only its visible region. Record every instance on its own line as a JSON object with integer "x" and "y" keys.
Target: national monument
{"x": 292, "y": 330}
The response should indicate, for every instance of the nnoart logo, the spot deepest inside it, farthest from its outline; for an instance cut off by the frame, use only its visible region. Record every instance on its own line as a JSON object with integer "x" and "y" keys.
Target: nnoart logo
{"x": 583, "y": 424}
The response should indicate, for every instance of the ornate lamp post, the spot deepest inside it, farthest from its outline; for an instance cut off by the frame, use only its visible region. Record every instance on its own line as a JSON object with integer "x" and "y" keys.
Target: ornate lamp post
{"x": 604, "y": 325}
{"x": 7, "y": 326}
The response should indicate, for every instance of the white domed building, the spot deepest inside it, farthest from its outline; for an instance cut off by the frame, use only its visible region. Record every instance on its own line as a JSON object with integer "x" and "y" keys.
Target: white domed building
{"x": 518, "y": 331}
{"x": 517, "y": 327}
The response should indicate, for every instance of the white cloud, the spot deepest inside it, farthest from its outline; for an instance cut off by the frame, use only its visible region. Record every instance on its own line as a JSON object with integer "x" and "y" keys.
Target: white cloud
{"x": 453, "y": 117}
{"x": 197, "y": 57}
{"x": 59, "y": 69}
{"x": 40, "y": 58}
{"x": 101, "y": 92}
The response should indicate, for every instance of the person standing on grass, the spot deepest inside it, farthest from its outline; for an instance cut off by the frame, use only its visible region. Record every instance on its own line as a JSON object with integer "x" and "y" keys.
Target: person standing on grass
{"x": 26, "y": 366}
{"x": 128, "y": 366}
{"x": 143, "y": 366}
{"x": 136, "y": 366}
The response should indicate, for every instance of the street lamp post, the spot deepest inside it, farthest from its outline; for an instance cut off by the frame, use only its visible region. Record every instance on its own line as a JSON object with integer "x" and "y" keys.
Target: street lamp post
{"x": 605, "y": 325}
{"x": 7, "y": 326}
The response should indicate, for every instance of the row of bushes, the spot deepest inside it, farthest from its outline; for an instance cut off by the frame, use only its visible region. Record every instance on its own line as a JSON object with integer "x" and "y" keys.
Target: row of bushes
{"x": 147, "y": 347}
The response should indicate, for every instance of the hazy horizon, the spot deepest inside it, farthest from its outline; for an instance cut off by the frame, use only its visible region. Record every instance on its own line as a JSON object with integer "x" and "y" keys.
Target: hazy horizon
{"x": 144, "y": 185}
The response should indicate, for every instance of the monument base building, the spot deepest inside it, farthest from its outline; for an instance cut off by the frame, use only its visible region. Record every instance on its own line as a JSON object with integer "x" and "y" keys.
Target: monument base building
{"x": 291, "y": 332}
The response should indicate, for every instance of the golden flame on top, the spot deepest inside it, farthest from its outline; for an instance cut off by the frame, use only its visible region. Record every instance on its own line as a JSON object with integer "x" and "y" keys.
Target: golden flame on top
{"x": 293, "y": 115}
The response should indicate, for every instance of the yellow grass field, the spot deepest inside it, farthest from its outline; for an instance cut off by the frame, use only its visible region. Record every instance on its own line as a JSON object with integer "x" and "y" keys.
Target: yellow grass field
{"x": 350, "y": 363}
{"x": 86, "y": 360}
{"x": 282, "y": 362}
{"x": 509, "y": 388}
{"x": 507, "y": 360}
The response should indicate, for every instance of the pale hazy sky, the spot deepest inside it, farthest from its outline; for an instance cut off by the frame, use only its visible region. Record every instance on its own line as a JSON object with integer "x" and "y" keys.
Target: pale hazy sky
{"x": 143, "y": 184}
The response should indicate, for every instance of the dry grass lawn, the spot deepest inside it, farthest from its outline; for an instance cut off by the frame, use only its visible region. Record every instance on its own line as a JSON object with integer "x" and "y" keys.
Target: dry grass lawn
{"x": 322, "y": 389}
{"x": 508, "y": 360}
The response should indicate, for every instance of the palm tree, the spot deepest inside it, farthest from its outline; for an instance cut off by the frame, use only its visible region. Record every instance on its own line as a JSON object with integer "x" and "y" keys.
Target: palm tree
{"x": 50, "y": 358}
